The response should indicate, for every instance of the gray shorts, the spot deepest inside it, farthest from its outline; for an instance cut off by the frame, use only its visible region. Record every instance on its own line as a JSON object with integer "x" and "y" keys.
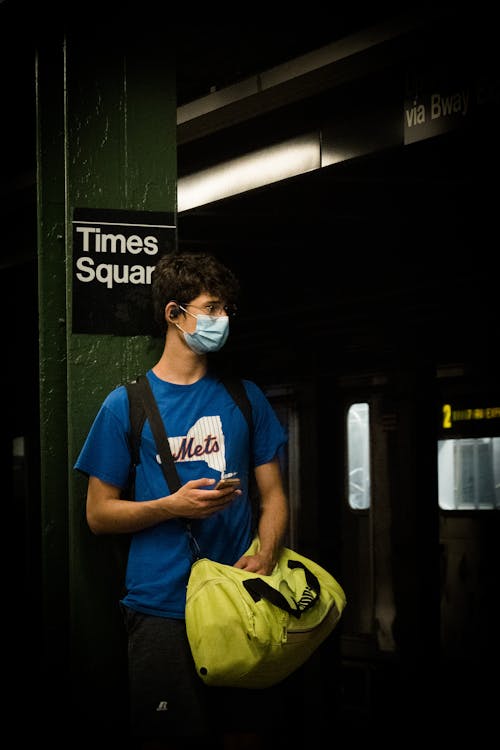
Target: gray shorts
{"x": 168, "y": 698}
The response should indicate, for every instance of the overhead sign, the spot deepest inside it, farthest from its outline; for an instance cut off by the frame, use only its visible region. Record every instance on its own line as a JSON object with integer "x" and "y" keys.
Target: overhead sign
{"x": 470, "y": 418}
{"x": 114, "y": 255}
{"x": 453, "y": 415}
{"x": 443, "y": 98}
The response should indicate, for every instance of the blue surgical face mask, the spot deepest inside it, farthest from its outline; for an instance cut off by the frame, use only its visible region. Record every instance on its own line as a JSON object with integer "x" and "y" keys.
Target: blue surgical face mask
{"x": 210, "y": 334}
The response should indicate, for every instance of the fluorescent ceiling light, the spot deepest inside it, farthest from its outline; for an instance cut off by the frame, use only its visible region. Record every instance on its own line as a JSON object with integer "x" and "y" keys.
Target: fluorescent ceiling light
{"x": 253, "y": 170}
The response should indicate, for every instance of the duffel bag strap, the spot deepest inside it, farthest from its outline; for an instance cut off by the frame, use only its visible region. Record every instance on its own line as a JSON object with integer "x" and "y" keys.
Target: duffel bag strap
{"x": 260, "y": 589}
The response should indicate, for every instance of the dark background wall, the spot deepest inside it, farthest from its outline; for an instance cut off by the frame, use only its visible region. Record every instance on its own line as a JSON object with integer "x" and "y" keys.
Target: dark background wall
{"x": 368, "y": 277}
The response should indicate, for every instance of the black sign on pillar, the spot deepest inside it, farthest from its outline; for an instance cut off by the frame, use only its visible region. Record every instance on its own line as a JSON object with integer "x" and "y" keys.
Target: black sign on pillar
{"x": 114, "y": 255}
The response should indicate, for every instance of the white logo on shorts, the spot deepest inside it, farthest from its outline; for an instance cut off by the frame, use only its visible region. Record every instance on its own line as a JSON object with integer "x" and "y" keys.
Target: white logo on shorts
{"x": 162, "y": 706}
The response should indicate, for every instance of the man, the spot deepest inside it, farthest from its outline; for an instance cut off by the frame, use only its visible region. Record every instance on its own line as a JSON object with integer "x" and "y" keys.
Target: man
{"x": 193, "y": 297}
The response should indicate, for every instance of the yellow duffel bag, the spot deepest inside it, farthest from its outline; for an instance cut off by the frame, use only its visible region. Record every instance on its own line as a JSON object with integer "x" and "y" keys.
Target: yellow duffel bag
{"x": 251, "y": 631}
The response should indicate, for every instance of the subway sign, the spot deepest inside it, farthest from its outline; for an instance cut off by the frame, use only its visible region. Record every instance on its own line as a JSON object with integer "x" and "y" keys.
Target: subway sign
{"x": 441, "y": 98}
{"x": 470, "y": 419}
{"x": 453, "y": 415}
{"x": 114, "y": 255}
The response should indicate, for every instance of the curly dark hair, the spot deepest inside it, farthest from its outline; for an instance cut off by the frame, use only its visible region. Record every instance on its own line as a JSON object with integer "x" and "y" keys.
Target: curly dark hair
{"x": 183, "y": 276}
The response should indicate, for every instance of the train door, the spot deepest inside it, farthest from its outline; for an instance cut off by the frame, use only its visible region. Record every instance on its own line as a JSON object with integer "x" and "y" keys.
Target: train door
{"x": 420, "y": 547}
{"x": 468, "y": 459}
{"x": 390, "y": 560}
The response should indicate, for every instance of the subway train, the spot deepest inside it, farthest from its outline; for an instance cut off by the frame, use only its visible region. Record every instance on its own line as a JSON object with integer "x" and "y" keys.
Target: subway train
{"x": 369, "y": 315}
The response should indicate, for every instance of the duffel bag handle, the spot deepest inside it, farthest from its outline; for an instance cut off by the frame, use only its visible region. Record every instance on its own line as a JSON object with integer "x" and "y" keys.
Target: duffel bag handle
{"x": 260, "y": 589}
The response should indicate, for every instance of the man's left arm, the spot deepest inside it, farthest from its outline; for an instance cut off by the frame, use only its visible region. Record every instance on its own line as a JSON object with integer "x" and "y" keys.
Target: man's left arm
{"x": 273, "y": 520}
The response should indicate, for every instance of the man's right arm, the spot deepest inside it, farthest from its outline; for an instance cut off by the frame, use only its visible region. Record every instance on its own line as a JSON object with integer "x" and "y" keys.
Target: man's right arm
{"x": 108, "y": 513}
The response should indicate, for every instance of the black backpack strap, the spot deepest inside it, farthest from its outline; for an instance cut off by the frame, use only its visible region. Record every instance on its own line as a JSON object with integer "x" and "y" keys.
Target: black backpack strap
{"x": 152, "y": 413}
{"x": 236, "y": 389}
{"x": 137, "y": 418}
{"x": 142, "y": 393}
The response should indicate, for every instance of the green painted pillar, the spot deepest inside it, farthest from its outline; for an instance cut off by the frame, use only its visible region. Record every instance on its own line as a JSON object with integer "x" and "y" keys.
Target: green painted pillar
{"x": 106, "y": 128}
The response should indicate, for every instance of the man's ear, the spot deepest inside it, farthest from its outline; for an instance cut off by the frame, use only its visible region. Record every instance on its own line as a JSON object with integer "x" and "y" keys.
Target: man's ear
{"x": 172, "y": 312}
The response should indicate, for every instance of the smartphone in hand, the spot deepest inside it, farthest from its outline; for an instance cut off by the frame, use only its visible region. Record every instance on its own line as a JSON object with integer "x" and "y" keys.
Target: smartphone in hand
{"x": 226, "y": 482}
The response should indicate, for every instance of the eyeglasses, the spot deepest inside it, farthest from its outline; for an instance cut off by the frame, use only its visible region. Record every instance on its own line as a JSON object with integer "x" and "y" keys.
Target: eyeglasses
{"x": 215, "y": 309}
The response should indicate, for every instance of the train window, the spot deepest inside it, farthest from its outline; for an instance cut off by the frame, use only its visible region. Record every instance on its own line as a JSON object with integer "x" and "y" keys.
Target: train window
{"x": 469, "y": 473}
{"x": 358, "y": 456}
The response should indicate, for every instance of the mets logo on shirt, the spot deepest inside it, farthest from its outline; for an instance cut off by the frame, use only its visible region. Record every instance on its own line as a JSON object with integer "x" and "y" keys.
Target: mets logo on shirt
{"x": 203, "y": 442}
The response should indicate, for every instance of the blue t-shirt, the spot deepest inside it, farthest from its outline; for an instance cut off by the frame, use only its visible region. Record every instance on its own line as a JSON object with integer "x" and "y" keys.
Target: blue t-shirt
{"x": 208, "y": 435}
